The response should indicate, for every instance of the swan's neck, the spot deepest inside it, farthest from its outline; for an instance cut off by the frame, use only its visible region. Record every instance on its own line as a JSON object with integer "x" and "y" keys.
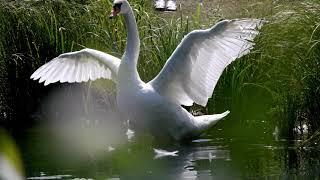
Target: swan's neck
{"x": 128, "y": 68}
{"x": 133, "y": 41}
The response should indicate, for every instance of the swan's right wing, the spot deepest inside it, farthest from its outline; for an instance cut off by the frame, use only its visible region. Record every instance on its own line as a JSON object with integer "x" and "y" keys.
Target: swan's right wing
{"x": 79, "y": 66}
{"x": 193, "y": 70}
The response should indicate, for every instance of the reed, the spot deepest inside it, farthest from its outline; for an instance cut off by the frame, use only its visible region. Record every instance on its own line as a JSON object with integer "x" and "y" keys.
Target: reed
{"x": 277, "y": 84}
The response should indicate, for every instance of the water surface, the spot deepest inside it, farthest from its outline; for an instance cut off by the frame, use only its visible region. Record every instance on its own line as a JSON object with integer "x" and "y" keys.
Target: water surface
{"x": 47, "y": 156}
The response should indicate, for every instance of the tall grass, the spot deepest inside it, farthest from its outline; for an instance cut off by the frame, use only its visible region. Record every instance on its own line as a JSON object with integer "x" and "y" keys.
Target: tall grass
{"x": 299, "y": 86}
{"x": 277, "y": 84}
{"x": 34, "y": 32}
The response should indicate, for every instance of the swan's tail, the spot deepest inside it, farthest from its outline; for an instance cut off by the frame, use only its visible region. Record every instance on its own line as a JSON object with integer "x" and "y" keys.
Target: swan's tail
{"x": 206, "y": 121}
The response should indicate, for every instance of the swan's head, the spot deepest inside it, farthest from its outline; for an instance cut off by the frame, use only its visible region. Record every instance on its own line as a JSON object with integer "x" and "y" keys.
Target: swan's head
{"x": 120, "y": 7}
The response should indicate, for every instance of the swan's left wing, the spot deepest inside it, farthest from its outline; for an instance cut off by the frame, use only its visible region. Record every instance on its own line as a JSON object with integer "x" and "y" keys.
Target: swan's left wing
{"x": 193, "y": 70}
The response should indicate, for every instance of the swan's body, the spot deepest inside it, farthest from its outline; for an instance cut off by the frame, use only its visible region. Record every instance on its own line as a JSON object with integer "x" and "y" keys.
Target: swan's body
{"x": 189, "y": 75}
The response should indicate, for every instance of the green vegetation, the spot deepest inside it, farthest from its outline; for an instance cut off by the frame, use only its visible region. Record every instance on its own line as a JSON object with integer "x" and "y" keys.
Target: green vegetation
{"x": 279, "y": 80}
{"x": 277, "y": 85}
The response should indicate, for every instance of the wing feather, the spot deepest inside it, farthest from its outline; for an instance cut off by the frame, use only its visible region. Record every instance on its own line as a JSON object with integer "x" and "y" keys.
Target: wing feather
{"x": 37, "y": 73}
{"x": 53, "y": 77}
{"x": 46, "y": 72}
{"x": 194, "y": 68}
{"x": 79, "y": 66}
{"x": 85, "y": 74}
{"x": 93, "y": 72}
{"x": 73, "y": 69}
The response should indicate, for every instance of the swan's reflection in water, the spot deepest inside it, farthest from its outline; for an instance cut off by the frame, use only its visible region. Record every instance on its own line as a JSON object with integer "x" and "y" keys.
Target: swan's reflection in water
{"x": 204, "y": 162}
{"x": 133, "y": 160}
{"x": 216, "y": 158}
{"x": 194, "y": 161}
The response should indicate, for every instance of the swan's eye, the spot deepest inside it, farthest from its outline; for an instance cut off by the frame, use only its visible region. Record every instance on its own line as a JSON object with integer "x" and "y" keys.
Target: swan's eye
{"x": 117, "y": 6}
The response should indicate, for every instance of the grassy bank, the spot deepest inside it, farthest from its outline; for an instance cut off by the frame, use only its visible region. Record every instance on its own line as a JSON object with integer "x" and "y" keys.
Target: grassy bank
{"x": 277, "y": 85}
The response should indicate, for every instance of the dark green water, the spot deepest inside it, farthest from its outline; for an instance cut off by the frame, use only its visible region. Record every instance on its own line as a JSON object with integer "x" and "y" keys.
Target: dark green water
{"x": 46, "y": 155}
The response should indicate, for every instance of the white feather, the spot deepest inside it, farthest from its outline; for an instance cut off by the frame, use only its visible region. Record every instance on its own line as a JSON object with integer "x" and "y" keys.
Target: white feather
{"x": 193, "y": 70}
{"x": 162, "y": 153}
{"x": 79, "y": 66}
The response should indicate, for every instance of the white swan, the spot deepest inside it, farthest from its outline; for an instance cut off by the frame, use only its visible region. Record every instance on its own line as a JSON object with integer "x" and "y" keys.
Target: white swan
{"x": 189, "y": 76}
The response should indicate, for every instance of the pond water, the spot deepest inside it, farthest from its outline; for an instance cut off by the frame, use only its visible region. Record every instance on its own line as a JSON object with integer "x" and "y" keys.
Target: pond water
{"x": 213, "y": 156}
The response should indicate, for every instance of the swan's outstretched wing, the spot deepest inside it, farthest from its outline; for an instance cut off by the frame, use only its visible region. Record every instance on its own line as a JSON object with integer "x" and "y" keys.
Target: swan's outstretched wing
{"x": 79, "y": 66}
{"x": 193, "y": 70}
